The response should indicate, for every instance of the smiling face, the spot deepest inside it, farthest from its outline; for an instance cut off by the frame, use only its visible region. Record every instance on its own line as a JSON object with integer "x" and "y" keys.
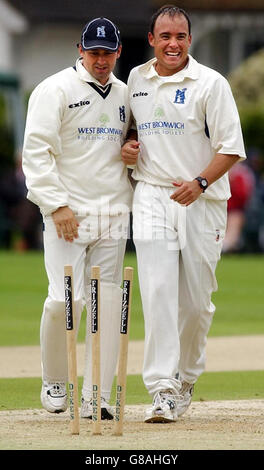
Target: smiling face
{"x": 100, "y": 62}
{"x": 171, "y": 41}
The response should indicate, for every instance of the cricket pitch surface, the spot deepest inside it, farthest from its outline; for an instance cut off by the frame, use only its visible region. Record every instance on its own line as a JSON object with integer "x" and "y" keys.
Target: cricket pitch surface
{"x": 218, "y": 425}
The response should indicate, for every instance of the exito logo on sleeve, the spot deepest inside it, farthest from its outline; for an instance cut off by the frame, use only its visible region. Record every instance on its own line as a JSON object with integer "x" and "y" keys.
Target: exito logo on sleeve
{"x": 80, "y": 103}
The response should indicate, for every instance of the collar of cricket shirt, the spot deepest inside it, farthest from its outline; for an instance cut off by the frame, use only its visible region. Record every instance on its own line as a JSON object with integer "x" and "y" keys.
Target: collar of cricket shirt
{"x": 190, "y": 71}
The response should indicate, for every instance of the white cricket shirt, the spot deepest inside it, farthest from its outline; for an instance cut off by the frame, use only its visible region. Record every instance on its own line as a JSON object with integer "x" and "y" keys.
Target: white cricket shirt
{"x": 182, "y": 121}
{"x": 74, "y": 131}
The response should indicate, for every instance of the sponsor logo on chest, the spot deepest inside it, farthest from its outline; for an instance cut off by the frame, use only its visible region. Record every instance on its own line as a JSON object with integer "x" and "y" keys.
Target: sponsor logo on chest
{"x": 180, "y": 96}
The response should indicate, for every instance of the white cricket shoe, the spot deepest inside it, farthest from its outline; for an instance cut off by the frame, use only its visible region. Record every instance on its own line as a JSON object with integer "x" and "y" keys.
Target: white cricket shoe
{"x": 186, "y": 393}
{"x": 87, "y": 409}
{"x": 164, "y": 408}
{"x": 54, "y": 397}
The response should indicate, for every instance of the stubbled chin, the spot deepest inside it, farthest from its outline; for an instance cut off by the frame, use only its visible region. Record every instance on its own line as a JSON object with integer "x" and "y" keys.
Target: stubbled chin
{"x": 101, "y": 71}
{"x": 172, "y": 64}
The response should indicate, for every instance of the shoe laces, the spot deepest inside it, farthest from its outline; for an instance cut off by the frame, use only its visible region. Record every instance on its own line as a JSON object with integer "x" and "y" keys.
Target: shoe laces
{"x": 87, "y": 403}
{"x": 57, "y": 389}
{"x": 186, "y": 388}
{"x": 166, "y": 397}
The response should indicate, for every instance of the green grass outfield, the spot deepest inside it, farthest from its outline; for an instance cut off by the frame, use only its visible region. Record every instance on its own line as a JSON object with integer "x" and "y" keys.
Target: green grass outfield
{"x": 24, "y": 393}
{"x": 239, "y": 303}
{"x": 23, "y": 287}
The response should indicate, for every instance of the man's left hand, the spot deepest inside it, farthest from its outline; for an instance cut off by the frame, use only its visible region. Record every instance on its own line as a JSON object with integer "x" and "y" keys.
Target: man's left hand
{"x": 187, "y": 192}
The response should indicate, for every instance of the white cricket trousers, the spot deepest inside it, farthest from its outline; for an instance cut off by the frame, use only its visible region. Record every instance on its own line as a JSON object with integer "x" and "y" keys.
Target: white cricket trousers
{"x": 177, "y": 252}
{"x": 101, "y": 242}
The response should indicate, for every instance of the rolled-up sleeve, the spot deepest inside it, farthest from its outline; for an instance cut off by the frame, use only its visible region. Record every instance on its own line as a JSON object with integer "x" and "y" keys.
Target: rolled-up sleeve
{"x": 223, "y": 120}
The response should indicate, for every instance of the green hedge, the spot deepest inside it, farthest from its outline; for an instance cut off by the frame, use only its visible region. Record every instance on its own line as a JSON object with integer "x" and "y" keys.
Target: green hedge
{"x": 252, "y": 122}
{"x": 247, "y": 83}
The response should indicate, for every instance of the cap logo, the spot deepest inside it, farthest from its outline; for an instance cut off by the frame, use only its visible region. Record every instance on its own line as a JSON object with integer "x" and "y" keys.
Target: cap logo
{"x": 101, "y": 32}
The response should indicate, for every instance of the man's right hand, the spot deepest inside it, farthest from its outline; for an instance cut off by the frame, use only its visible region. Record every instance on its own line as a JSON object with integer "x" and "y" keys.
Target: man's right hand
{"x": 66, "y": 223}
{"x": 130, "y": 151}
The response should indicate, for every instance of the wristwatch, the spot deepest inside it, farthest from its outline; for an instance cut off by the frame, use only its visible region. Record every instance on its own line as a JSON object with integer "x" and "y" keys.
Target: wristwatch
{"x": 203, "y": 183}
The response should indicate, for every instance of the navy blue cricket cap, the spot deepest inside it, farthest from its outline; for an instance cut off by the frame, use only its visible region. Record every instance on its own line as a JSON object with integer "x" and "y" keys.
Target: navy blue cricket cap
{"x": 100, "y": 33}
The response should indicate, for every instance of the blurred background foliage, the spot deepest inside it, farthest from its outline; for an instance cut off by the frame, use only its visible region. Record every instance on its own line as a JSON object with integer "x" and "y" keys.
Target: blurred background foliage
{"x": 247, "y": 83}
{"x": 20, "y": 220}
{"x": 7, "y": 147}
